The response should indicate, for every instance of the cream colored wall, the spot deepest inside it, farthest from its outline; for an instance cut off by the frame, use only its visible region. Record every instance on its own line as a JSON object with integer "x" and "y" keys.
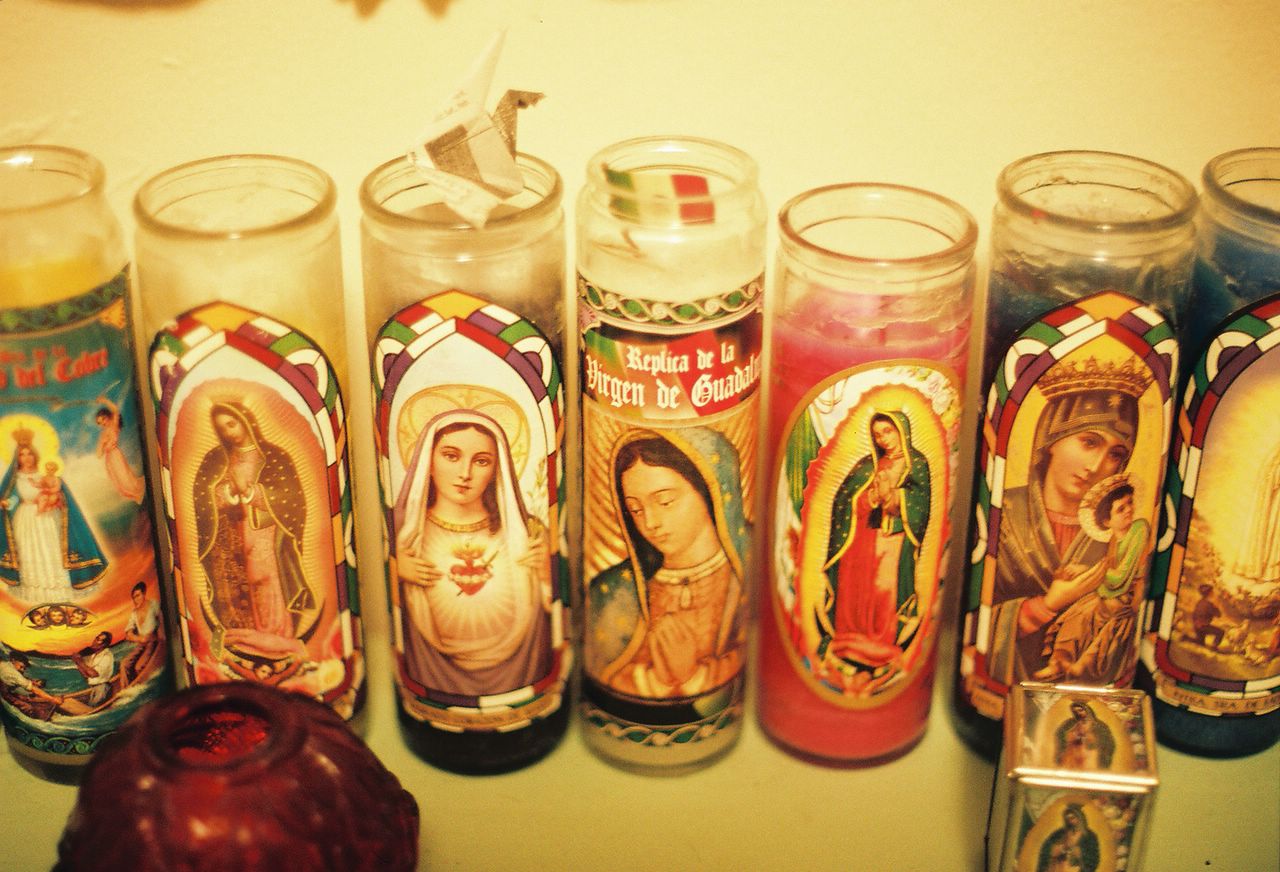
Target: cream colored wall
{"x": 935, "y": 94}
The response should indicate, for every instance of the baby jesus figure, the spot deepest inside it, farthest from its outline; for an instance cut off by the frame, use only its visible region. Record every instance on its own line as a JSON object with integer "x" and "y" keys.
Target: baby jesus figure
{"x": 50, "y": 484}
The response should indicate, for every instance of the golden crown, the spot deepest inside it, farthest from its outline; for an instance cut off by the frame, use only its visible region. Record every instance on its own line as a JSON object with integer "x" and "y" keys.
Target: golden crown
{"x": 1129, "y": 378}
{"x": 24, "y": 436}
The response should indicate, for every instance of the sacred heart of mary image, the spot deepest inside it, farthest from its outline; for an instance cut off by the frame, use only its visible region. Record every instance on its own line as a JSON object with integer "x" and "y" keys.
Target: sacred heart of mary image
{"x": 861, "y": 526}
{"x": 471, "y": 544}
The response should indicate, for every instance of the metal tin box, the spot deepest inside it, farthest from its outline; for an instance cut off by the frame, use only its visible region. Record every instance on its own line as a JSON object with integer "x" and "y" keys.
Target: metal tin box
{"x": 1076, "y": 781}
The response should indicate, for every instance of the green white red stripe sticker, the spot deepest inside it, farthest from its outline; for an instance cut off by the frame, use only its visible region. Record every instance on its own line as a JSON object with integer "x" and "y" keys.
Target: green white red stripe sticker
{"x": 680, "y": 198}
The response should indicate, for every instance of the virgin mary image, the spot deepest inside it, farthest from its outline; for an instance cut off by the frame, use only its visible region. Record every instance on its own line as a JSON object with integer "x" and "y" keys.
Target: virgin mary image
{"x": 667, "y": 620}
{"x": 879, "y": 518}
{"x": 473, "y": 566}
{"x": 250, "y": 512}
{"x": 1045, "y": 559}
{"x": 48, "y": 553}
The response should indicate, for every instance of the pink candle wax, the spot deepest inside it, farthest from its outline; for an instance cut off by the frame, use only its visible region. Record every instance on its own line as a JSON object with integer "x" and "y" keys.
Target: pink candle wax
{"x": 823, "y": 335}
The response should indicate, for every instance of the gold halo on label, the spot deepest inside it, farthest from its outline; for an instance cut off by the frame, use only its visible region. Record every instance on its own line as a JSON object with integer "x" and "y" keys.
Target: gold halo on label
{"x": 419, "y": 409}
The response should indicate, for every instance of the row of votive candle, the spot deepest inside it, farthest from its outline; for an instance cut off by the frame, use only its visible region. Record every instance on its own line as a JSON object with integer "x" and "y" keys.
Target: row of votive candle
{"x": 838, "y": 497}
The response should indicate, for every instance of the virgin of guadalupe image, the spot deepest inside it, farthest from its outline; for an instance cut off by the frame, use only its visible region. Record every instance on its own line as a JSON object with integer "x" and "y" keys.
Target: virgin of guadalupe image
{"x": 879, "y": 518}
{"x": 473, "y": 566}
{"x": 666, "y": 620}
{"x": 1083, "y": 741}
{"x": 1045, "y": 560}
{"x": 1090, "y": 640}
{"x": 48, "y": 552}
{"x": 250, "y": 512}
{"x": 1072, "y": 847}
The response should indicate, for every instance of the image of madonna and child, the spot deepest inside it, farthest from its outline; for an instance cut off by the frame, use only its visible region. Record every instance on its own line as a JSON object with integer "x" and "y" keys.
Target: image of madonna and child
{"x": 473, "y": 564}
{"x": 1064, "y": 595}
{"x": 48, "y": 551}
{"x": 666, "y": 622}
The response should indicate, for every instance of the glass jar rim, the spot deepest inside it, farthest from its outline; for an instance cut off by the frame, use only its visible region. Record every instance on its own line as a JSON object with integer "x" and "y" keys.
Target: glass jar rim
{"x": 604, "y": 169}
{"x": 959, "y": 250}
{"x": 322, "y": 205}
{"x": 375, "y": 208}
{"x": 1182, "y": 193}
{"x": 91, "y": 172}
{"x": 1214, "y": 186}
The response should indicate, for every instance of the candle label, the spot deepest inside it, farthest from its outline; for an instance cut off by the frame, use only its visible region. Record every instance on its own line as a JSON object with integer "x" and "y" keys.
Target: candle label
{"x": 862, "y": 485}
{"x": 253, "y": 455}
{"x": 1072, "y": 457}
{"x": 1217, "y": 643}
{"x": 1074, "y": 829}
{"x": 1094, "y": 731}
{"x": 83, "y": 637}
{"x": 469, "y": 421}
{"x": 670, "y": 412}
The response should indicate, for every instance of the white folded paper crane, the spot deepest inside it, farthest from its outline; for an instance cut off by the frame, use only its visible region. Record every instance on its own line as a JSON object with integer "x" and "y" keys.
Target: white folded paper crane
{"x": 468, "y": 154}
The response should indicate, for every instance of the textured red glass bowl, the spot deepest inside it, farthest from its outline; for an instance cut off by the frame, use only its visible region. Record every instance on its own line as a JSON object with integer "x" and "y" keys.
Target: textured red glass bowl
{"x": 239, "y": 777}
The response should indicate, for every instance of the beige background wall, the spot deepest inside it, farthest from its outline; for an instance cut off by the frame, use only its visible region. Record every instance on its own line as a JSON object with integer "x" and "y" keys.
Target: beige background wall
{"x": 935, "y": 94}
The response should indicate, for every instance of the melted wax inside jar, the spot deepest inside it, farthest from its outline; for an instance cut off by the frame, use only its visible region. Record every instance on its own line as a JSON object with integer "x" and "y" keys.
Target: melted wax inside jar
{"x": 216, "y": 735}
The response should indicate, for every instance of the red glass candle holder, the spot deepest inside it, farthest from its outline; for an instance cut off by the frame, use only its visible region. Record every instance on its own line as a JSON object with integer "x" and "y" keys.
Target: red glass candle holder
{"x": 239, "y": 777}
{"x": 870, "y": 341}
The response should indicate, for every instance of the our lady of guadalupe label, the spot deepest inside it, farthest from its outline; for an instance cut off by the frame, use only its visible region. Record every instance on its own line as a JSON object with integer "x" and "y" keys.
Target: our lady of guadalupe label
{"x": 1063, "y": 829}
{"x": 1074, "y": 442}
{"x": 80, "y": 622}
{"x": 469, "y": 406}
{"x": 863, "y": 482}
{"x": 252, "y": 441}
{"x": 670, "y": 411}
{"x": 1217, "y": 645}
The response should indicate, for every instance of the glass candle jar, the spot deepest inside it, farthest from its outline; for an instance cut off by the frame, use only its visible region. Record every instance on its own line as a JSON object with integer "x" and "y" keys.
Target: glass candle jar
{"x": 1213, "y": 666}
{"x": 670, "y": 275}
{"x": 80, "y": 620}
{"x": 1090, "y": 270}
{"x": 466, "y": 334}
{"x": 870, "y": 341}
{"x": 239, "y": 776}
{"x": 240, "y": 270}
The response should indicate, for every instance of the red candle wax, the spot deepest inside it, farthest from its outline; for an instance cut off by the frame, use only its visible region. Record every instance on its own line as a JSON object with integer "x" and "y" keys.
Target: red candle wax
{"x": 823, "y": 335}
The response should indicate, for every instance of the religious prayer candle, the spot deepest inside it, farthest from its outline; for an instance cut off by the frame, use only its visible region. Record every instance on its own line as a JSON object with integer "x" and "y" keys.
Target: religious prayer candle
{"x": 81, "y": 630}
{"x": 1213, "y": 658}
{"x": 670, "y": 268}
{"x": 869, "y": 347}
{"x": 1090, "y": 268}
{"x": 240, "y": 269}
{"x": 465, "y": 328}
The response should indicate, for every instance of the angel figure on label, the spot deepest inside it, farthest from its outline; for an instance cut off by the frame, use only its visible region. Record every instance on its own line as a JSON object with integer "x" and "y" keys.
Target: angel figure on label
{"x": 127, "y": 483}
{"x": 473, "y": 565}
